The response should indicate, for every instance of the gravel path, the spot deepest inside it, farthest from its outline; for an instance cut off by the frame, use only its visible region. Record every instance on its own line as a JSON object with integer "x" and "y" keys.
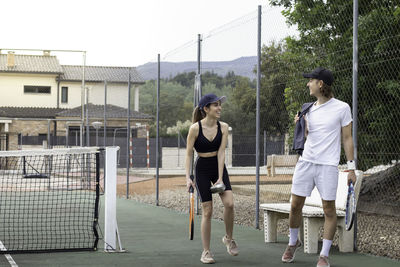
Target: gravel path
{"x": 378, "y": 235}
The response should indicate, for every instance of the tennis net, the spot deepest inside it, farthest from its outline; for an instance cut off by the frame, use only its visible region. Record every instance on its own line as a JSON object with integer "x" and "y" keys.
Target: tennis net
{"x": 49, "y": 200}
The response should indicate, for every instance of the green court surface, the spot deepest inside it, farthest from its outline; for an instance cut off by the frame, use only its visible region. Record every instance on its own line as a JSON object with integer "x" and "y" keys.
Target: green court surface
{"x": 156, "y": 236}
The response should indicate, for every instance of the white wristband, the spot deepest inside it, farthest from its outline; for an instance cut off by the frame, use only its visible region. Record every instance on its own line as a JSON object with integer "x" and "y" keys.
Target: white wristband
{"x": 351, "y": 165}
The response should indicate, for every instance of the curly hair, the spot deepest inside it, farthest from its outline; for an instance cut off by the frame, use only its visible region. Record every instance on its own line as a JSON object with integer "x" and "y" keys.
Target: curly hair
{"x": 326, "y": 90}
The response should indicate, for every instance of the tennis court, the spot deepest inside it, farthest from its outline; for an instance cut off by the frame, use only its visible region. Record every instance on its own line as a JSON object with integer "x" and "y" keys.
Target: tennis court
{"x": 156, "y": 236}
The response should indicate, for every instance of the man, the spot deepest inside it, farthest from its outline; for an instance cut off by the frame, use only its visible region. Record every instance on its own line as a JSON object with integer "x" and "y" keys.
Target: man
{"x": 327, "y": 121}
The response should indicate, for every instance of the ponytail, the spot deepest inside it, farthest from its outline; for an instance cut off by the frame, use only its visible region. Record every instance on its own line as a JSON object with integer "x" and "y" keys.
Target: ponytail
{"x": 198, "y": 115}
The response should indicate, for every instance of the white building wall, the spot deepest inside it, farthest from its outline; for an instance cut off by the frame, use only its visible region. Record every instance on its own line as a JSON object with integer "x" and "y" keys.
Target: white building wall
{"x": 12, "y": 90}
{"x": 74, "y": 95}
{"x": 117, "y": 94}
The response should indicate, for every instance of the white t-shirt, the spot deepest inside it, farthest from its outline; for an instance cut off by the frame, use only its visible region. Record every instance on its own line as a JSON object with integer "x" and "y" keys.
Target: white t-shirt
{"x": 325, "y": 124}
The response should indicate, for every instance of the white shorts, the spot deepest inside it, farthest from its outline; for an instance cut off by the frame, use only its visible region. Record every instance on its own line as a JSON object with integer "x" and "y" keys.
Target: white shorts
{"x": 308, "y": 174}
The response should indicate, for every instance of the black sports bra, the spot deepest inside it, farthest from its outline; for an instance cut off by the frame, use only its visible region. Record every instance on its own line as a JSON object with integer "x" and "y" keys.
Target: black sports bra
{"x": 203, "y": 145}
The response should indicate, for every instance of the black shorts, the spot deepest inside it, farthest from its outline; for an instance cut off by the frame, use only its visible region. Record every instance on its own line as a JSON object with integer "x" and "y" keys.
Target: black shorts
{"x": 207, "y": 173}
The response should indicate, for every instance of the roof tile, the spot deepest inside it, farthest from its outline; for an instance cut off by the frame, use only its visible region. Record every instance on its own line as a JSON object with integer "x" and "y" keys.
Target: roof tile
{"x": 100, "y": 74}
{"x": 31, "y": 64}
{"x": 97, "y": 111}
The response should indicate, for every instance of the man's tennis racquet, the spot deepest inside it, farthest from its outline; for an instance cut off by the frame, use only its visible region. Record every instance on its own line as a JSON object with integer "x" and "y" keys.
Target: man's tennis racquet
{"x": 191, "y": 210}
{"x": 350, "y": 207}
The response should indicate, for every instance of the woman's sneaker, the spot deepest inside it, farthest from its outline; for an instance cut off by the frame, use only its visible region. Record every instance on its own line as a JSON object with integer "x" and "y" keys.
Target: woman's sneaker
{"x": 288, "y": 255}
{"x": 207, "y": 257}
{"x": 231, "y": 246}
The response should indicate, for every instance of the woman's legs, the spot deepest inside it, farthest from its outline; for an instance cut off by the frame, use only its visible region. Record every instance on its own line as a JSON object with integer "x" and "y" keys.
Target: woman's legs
{"x": 207, "y": 209}
{"x": 227, "y": 200}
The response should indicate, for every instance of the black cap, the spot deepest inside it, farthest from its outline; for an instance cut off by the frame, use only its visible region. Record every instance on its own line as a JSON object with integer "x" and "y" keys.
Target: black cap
{"x": 210, "y": 98}
{"x": 321, "y": 73}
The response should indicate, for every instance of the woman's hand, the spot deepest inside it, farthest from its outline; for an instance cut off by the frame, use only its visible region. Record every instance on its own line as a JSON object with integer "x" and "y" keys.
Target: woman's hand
{"x": 189, "y": 183}
{"x": 219, "y": 181}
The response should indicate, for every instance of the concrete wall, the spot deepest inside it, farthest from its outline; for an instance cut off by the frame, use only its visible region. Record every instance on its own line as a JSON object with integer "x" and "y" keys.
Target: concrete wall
{"x": 172, "y": 157}
{"x": 31, "y": 128}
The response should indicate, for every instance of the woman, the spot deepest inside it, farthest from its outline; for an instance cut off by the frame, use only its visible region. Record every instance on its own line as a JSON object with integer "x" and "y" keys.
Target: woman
{"x": 209, "y": 137}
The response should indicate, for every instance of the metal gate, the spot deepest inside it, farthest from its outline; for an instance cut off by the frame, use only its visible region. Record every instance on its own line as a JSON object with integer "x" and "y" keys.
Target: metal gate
{"x": 3, "y": 141}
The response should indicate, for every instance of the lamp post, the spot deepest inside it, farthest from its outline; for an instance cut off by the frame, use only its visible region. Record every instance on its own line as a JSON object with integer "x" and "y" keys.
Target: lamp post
{"x": 97, "y": 125}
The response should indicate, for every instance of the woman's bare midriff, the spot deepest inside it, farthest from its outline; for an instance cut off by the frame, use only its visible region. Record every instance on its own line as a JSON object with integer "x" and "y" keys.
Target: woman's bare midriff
{"x": 208, "y": 154}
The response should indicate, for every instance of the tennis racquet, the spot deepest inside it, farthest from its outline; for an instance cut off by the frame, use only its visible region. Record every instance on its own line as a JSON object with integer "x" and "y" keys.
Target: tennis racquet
{"x": 350, "y": 207}
{"x": 191, "y": 210}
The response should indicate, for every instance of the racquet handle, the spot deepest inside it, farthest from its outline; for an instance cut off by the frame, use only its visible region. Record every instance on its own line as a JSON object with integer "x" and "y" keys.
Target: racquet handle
{"x": 191, "y": 189}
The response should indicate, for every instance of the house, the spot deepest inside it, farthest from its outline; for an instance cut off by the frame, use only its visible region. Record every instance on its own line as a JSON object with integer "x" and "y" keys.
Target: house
{"x": 38, "y": 95}
{"x": 70, "y": 84}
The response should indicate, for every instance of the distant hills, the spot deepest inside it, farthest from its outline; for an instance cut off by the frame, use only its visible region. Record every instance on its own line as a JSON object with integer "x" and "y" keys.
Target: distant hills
{"x": 243, "y": 66}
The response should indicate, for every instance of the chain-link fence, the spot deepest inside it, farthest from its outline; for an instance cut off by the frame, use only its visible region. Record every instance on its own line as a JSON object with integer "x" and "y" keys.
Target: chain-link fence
{"x": 326, "y": 39}
{"x": 308, "y": 35}
{"x": 296, "y": 37}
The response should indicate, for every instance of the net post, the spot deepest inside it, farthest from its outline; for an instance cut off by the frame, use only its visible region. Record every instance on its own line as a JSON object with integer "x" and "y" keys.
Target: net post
{"x": 110, "y": 224}
{"x": 96, "y": 213}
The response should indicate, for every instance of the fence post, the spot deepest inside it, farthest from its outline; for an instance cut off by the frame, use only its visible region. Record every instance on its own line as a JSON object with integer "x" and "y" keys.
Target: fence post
{"x": 128, "y": 135}
{"x": 258, "y": 118}
{"x": 158, "y": 130}
{"x": 355, "y": 93}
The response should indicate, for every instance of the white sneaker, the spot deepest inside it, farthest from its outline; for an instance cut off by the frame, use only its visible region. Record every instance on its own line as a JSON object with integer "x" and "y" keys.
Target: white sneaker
{"x": 207, "y": 257}
{"x": 231, "y": 246}
{"x": 290, "y": 252}
{"x": 323, "y": 261}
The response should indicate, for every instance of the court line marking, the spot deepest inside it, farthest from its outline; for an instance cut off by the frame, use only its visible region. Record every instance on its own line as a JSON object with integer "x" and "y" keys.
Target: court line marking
{"x": 8, "y": 256}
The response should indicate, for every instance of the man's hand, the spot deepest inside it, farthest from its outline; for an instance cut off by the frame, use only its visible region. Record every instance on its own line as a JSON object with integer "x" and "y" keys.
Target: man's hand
{"x": 351, "y": 177}
{"x": 296, "y": 118}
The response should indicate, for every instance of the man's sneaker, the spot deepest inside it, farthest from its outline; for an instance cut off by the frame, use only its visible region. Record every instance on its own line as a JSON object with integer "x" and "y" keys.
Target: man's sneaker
{"x": 323, "y": 261}
{"x": 231, "y": 246}
{"x": 288, "y": 255}
{"x": 207, "y": 257}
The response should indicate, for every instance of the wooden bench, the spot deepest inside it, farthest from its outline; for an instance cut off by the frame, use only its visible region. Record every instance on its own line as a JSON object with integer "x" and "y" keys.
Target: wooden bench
{"x": 274, "y": 161}
{"x": 313, "y": 217}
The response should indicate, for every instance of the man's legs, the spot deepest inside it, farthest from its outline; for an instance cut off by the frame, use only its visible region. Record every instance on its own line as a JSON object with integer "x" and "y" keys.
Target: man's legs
{"x": 295, "y": 218}
{"x": 329, "y": 226}
{"x": 329, "y": 232}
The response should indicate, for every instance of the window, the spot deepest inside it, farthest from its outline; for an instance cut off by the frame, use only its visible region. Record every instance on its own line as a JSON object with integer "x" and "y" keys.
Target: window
{"x": 64, "y": 94}
{"x": 34, "y": 89}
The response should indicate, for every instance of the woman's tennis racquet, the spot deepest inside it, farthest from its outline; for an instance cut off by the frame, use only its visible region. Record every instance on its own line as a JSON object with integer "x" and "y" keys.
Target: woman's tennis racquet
{"x": 191, "y": 210}
{"x": 350, "y": 207}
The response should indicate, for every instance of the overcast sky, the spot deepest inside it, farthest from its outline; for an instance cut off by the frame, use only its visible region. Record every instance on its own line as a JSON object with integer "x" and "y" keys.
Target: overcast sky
{"x": 133, "y": 32}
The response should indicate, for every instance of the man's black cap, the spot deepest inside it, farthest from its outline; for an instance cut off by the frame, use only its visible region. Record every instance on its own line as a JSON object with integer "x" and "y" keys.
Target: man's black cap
{"x": 321, "y": 73}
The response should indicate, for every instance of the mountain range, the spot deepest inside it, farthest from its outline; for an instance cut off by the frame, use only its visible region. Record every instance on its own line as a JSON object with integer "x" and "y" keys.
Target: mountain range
{"x": 243, "y": 66}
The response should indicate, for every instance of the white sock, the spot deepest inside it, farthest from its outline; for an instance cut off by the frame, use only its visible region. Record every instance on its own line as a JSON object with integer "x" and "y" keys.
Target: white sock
{"x": 326, "y": 246}
{"x": 294, "y": 232}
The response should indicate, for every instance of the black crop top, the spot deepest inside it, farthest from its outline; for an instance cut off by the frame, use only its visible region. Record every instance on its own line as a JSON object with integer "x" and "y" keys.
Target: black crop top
{"x": 203, "y": 145}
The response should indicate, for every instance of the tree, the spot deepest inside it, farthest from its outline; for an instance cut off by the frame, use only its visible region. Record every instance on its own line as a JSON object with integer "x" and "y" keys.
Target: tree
{"x": 273, "y": 113}
{"x": 173, "y": 106}
{"x": 325, "y": 39}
